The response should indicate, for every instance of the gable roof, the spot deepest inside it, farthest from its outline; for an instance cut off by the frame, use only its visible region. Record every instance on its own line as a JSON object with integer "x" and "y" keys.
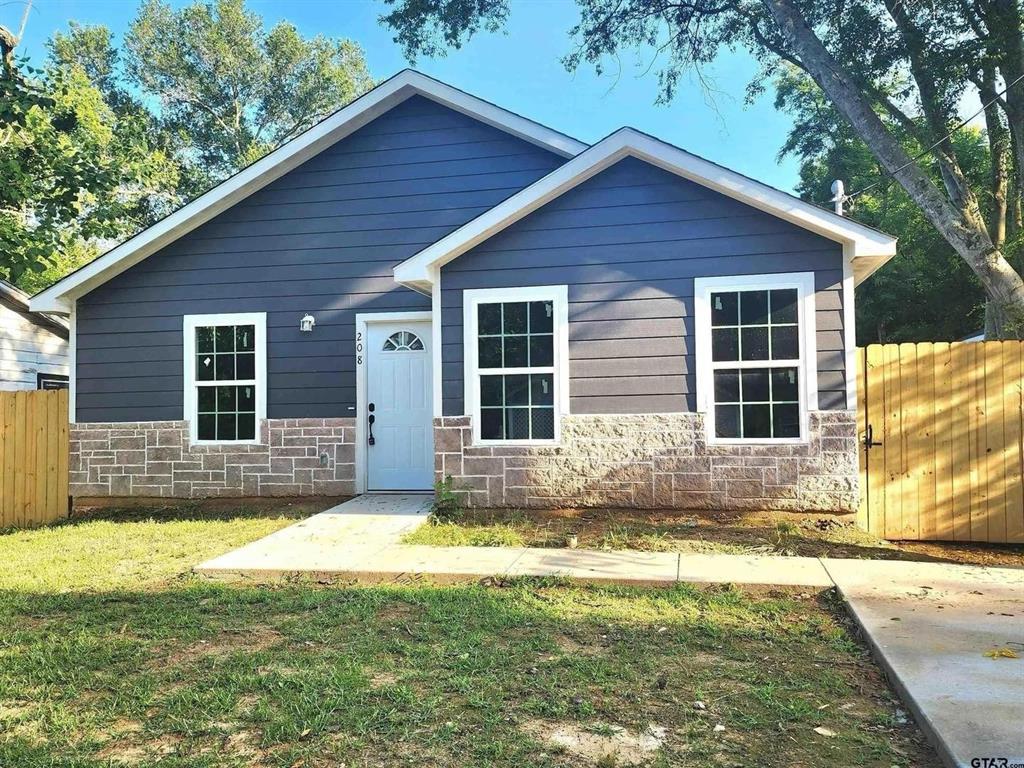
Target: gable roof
{"x": 866, "y": 247}
{"x": 407, "y": 83}
{"x": 18, "y": 300}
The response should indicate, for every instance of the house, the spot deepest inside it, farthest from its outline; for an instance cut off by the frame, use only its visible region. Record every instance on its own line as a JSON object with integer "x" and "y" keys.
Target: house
{"x": 426, "y": 285}
{"x": 33, "y": 346}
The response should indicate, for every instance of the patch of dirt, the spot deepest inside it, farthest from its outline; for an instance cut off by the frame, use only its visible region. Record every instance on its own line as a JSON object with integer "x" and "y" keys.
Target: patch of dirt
{"x": 120, "y": 729}
{"x": 383, "y": 679}
{"x": 396, "y": 613}
{"x": 14, "y": 710}
{"x": 123, "y": 752}
{"x": 999, "y": 555}
{"x": 602, "y": 744}
{"x": 228, "y": 641}
{"x": 243, "y": 743}
{"x": 570, "y": 646}
{"x": 135, "y": 753}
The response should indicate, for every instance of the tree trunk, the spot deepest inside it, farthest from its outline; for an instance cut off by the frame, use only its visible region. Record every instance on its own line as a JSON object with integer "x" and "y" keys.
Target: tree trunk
{"x": 7, "y": 43}
{"x": 999, "y": 149}
{"x": 967, "y": 234}
{"x": 1007, "y": 33}
{"x": 935, "y": 111}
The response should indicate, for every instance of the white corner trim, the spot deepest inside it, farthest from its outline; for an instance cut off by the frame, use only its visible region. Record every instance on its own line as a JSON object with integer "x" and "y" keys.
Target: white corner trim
{"x": 867, "y": 243}
{"x": 849, "y": 335}
{"x": 702, "y": 289}
{"x": 471, "y": 299}
{"x": 73, "y": 363}
{"x": 189, "y": 325}
{"x": 363, "y": 319}
{"x": 436, "y": 331}
{"x": 57, "y": 298}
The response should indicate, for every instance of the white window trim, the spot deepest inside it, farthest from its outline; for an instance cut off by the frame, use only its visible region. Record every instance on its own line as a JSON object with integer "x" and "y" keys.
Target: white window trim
{"x": 471, "y": 299}
{"x": 191, "y": 322}
{"x": 808, "y": 393}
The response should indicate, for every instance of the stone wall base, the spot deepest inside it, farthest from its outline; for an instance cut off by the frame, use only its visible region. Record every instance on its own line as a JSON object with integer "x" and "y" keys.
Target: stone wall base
{"x": 659, "y": 461}
{"x": 295, "y": 457}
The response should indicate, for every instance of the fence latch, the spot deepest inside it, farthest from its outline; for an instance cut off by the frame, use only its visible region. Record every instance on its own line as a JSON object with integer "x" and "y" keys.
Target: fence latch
{"x": 869, "y": 438}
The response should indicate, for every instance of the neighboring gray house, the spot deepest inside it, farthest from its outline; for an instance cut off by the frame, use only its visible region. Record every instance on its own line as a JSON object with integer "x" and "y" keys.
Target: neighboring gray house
{"x": 426, "y": 285}
{"x": 33, "y": 346}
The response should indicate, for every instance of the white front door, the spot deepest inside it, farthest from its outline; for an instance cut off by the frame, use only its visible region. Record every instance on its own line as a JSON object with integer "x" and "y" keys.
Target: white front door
{"x": 400, "y": 438}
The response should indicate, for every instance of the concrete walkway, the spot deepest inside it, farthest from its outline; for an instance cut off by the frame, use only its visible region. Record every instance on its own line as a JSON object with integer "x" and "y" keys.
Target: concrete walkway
{"x": 928, "y": 624}
{"x": 360, "y": 540}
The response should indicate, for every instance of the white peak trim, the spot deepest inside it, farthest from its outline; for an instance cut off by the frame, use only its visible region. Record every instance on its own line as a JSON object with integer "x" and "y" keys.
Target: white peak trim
{"x": 60, "y": 296}
{"x": 867, "y": 245}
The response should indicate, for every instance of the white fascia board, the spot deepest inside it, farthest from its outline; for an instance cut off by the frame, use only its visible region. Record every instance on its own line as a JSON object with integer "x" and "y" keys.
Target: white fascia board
{"x": 865, "y": 266}
{"x": 60, "y": 296}
{"x": 866, "y": 243}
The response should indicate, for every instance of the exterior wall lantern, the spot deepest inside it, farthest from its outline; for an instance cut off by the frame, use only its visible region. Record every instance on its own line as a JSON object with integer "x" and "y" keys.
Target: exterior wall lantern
{"x": 306, "y": 323}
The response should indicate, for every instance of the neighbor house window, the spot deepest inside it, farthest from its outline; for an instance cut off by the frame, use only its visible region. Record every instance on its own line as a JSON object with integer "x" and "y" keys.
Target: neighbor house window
{"x": 755, "y": 355}
{"x": 225, "y": 376}
{"x": 517, "y": 362}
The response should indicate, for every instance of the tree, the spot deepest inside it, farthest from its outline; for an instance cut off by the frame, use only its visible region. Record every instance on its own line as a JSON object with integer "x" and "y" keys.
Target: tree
{"x": 927, "y": 291}
{"x": 88, "y": 162}
{"x": 90, "y": 49}
{"x": 73, "y": 171}
{"x": 236, "y": 90}
{"x": 889, "y": 68}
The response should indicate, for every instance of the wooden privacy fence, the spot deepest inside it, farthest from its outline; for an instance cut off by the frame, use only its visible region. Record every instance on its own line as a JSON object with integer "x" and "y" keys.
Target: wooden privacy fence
{"x": 33, "y": 457}
{"x": 940, "y": 452}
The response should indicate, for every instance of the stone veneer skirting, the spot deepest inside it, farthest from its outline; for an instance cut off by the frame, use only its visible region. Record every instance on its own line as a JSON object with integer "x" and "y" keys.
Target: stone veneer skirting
{"x": 654, "y": 461}
{"x": 295, "y": 457}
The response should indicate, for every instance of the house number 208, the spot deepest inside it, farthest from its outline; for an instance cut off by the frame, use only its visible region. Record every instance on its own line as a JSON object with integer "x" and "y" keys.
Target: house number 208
{"x": 359, "y": 348}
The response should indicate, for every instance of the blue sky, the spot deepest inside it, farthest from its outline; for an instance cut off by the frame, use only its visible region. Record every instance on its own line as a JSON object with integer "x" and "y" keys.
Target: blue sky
{"x": 520, "y": 71}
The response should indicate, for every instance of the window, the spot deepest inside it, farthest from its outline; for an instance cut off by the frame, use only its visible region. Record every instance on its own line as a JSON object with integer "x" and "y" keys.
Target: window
{"x": 225, "y": 375}
{"x": 755, "y": 341}
{"x": 51, "y": 381}
{"x": 516, "y": 348}
{"x": 403, "y": 341}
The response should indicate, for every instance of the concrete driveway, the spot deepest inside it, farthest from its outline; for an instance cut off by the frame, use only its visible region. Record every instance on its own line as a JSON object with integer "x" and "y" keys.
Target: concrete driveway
{"x": 930, "y": 626}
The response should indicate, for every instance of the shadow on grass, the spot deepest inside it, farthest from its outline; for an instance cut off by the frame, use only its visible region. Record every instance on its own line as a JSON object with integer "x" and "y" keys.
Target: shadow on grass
{"x": 170, "y": 511}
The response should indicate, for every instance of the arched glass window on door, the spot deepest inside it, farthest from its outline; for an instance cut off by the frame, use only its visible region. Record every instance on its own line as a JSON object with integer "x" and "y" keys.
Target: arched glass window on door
{"x": 403, "y": 341}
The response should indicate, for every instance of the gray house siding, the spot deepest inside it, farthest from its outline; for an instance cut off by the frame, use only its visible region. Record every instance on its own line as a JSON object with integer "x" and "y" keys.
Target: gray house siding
{"x": 322, "y": 239}
{"x": 628, "y": 243}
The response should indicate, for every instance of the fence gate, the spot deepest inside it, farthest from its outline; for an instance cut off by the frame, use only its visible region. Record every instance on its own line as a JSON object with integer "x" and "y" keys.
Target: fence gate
{"x": 940, "y": 440}
{"x": 33, "y": 457}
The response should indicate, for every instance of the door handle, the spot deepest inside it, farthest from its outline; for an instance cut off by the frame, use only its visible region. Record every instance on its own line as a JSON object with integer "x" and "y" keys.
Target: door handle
{"x": 869, "y": 438}
{"x": 369, "y": 422}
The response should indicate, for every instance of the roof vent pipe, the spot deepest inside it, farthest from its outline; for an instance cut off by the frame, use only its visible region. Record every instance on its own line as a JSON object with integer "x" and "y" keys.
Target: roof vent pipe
{"x": 838, "y": 195}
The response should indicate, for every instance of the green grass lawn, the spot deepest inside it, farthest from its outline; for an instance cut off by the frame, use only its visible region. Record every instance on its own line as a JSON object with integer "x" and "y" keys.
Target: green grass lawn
{"x": 111, "y": 653}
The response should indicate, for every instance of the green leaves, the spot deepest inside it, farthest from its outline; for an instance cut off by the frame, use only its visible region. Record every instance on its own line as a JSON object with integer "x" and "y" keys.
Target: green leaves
{"x": 234, "y": 89}
{"x": 97, "y": 146}
{"x": 78, "y": 170}
{"x": 927, "y": 291}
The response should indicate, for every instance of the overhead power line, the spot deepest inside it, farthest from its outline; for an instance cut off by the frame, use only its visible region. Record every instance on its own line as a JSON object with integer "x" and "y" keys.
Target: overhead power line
{"x": 928, "y": 150}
